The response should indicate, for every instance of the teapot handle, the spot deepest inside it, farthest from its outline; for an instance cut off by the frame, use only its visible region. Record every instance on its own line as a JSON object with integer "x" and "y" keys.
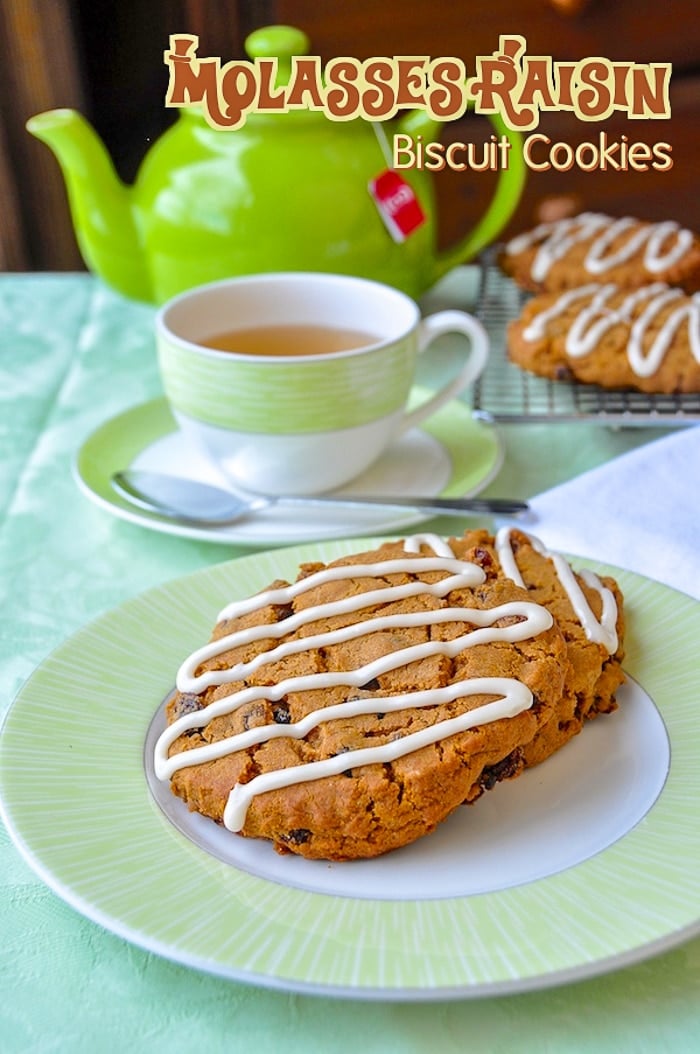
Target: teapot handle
{"x": 506, "y": 196}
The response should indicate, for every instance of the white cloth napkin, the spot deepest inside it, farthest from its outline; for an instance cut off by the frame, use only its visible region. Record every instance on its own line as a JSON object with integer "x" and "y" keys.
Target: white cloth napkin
{"x": 640, "y": 511}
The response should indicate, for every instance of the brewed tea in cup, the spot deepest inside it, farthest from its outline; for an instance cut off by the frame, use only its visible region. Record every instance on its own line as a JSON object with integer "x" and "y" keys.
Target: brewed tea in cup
{"x": 289, "y": 340}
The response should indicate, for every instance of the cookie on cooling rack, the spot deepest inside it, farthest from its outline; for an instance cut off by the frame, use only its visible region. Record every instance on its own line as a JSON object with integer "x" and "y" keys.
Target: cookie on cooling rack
{"x": 647, "y": 339}
{"x": 350, "y": 712}
{"x": 592, "y": 247}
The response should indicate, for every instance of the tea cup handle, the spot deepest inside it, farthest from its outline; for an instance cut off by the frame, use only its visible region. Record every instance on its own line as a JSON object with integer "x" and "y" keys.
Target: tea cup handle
{"x": 428, "y": 330}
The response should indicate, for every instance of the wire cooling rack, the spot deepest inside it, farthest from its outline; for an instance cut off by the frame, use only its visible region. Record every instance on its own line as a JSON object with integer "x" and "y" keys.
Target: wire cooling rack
{"x": 506, "y": 392}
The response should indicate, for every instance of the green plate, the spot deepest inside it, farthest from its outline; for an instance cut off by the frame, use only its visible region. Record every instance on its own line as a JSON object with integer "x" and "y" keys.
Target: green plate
{"x": 451, "y": 455}
{"x": 76, "y": 800}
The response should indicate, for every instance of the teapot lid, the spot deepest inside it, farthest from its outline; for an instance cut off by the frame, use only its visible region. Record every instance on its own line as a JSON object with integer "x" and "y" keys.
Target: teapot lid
{"x": 280, "y": 42}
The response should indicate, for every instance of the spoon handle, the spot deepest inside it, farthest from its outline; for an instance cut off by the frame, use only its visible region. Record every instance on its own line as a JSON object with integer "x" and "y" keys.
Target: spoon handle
{"x": 445, "y": 506}
{"x": 195, "y": 502}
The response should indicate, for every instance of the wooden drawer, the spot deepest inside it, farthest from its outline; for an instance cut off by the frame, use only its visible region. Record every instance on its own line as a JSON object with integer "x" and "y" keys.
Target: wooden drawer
{"x": 639, "y": 30}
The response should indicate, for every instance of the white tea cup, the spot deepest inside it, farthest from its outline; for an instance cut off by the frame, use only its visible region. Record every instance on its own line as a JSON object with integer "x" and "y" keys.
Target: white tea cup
{"x": 316, "y": 380}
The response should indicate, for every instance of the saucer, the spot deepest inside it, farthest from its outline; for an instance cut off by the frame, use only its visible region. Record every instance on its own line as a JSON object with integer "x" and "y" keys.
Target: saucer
{"x": 451, "y": 454}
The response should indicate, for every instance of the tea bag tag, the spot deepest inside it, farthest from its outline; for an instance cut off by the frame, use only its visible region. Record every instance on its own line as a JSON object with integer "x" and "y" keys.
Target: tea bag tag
{"x": 395, "y": 199}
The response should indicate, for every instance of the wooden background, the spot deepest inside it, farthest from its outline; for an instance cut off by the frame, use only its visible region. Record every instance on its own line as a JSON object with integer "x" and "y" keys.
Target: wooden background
{"x": 107, "y": 60}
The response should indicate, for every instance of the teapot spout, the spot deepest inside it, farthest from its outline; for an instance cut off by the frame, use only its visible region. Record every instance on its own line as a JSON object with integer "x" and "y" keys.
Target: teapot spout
{"x": 100, "y": 203}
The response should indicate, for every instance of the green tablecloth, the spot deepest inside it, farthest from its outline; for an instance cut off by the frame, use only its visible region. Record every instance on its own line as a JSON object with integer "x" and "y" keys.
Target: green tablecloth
{"x": 73, "y": 354}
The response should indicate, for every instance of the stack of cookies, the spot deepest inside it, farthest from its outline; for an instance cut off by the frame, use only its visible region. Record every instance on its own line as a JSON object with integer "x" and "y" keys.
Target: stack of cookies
{"x": 351, "y": 711}
{"x": 616, "y": 303}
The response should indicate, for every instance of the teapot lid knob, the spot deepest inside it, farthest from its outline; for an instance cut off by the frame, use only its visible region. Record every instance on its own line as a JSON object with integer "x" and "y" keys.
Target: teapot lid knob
{"x": 277, "y": 42}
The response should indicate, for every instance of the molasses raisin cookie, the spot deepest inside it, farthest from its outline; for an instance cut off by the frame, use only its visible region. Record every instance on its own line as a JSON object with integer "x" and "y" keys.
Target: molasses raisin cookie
{"x": 595, "y": 248}
{"x": 350, "y": 712}
{"x": 648, "y": 339}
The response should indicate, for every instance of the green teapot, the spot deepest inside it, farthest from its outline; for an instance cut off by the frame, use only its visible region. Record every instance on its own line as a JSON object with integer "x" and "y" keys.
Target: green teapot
{"x": 284, "y": 192}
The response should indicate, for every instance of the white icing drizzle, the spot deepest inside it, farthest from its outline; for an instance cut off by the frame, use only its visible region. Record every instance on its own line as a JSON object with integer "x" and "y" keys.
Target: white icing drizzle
{"x": 586, "y": 332}
{"x": 470, "y": 572}
{"x": 557, "y": 239}
{"x": 440, "y": 546}
{"x": 595, "y": 318}
{"x": 598, "y": 259}
{"x": 645, "y": 365}
{"x": 514, "y": 697}
{"x": 188, "y": 681}
{"x": 537, "y": 327}
{"x": 656, "y": 261}
{"x": 554, "y": 241}
{"x": 535, "y": 620}
{"x": 602, "y": 631}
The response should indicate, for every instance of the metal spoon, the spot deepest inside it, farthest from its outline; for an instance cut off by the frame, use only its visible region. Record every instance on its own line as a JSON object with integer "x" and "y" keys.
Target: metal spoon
{"x": 203, "y": 504}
